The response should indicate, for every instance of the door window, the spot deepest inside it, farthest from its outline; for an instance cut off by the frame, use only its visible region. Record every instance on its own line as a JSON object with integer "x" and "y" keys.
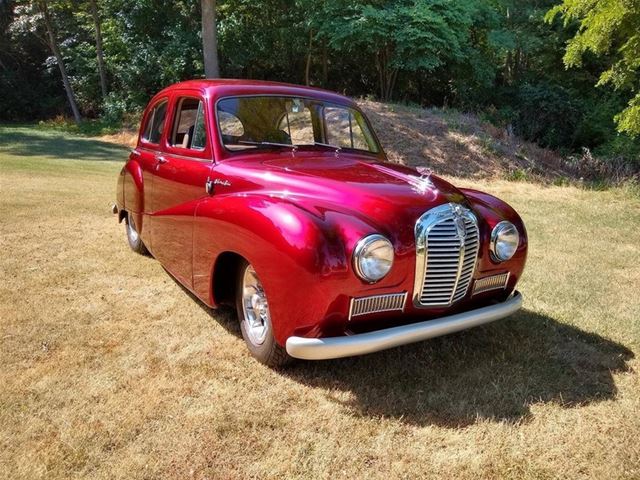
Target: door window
{"x": 189, "y": 129}
{"x": 155, "y": 123}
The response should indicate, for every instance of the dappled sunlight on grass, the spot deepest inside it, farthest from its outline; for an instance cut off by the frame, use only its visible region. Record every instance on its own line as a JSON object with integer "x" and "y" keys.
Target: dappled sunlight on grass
{"x": 27, "y": 142}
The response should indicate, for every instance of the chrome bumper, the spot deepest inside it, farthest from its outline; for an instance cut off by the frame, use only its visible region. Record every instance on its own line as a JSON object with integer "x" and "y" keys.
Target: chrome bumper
{"x": 360, "y": 344}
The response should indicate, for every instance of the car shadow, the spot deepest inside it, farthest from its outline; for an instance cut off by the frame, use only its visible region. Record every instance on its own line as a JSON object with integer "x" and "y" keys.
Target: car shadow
{"x": 495, "y": 372}
{"x": 29, "y": 142}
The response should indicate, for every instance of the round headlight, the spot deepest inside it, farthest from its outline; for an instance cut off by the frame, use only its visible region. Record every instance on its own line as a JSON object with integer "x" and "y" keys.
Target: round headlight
{"x": 373, "y": 258}
{"x": 504, "y": 241}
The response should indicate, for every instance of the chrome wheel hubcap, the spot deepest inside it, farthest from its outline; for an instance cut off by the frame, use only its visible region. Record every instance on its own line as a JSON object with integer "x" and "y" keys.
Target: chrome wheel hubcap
{"x": 254, "y": 307}
{"x": 131, "y": 230}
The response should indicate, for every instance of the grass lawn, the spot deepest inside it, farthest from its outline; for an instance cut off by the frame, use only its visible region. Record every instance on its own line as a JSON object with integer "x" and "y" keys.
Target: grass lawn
{"x": 109, "y": 369}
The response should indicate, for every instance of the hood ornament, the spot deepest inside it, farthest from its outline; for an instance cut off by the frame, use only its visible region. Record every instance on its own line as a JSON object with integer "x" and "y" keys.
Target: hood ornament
{"x": 458, "y": 220}
{"x": 421, "y": 184}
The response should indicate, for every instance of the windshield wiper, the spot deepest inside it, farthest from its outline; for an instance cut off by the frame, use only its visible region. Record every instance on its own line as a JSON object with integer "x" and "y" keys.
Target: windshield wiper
{"x": 337, "y": 148}
{"x": 270, "y": 144}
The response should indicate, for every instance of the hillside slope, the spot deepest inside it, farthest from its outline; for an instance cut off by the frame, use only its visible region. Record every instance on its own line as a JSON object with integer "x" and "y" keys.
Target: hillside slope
{"x": 452, "y": 143}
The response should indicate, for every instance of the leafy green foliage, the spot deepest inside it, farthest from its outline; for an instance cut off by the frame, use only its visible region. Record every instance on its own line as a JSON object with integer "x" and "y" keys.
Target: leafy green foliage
{"x": 501, "y": 58}
{"x": 610, "y": 30}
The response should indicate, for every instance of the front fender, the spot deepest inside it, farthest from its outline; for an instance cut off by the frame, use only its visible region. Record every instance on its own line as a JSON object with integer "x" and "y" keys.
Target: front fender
{"x": 491, "y": 211}
{"x": 301, "y": 258}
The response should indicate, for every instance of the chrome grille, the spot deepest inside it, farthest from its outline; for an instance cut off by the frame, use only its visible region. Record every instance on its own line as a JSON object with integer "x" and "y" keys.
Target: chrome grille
{"x": 494, "y": 282}
{"x": 377, "y": 303}
{"x": 447, "y": 243}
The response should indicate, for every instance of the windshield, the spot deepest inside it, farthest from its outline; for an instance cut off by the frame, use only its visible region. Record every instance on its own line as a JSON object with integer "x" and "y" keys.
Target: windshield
{"x": 291, "y": 122}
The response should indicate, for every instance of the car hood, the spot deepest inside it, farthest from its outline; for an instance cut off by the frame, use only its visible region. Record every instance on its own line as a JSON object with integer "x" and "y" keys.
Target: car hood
{"x": 379, "y": 192}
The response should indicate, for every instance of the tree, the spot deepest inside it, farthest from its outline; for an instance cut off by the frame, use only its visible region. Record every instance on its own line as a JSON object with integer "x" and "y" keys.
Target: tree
{"x": 99, "y": 52}
{"x": 43, "y": 7}
{"x": 210, "y": 39}
{"x": 400, "y": 36}
{"x": 611, "y": 31}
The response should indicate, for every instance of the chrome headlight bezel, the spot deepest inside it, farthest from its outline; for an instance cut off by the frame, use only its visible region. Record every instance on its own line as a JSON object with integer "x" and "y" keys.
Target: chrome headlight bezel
{"x": 498, "y": 234}
{"x": 364, "y": 249}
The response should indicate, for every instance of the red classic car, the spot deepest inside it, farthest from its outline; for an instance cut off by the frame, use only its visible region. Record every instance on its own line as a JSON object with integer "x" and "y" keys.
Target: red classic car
{"x": 280, "y": 199}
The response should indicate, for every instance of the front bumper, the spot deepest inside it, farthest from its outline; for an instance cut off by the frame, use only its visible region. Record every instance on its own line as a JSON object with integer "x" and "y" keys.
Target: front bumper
{"x": 360, "y": 344}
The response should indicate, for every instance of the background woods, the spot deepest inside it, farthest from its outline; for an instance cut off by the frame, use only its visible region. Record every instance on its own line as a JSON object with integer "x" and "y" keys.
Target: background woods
{"x": 562, "y": 75}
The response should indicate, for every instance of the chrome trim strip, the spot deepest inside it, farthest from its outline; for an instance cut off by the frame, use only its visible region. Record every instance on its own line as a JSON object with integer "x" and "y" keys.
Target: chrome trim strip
{"x": 184, "y": 157}
{"x": 390, "y": 302}
{"x": 360, "y": 344}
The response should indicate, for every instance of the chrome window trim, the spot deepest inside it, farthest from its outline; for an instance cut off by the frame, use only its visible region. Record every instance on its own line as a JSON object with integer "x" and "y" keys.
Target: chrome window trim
{"x": 169, "y": 154}
{"x": 149, "y": 121}
{"x": 175, "y": 119}
{"x": 346, "y": 104}
{"x": 423, "y": 226}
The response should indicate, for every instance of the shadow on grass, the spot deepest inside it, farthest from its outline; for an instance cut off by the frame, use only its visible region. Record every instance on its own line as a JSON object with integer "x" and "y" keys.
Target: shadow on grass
{"x": 30, "y": 142}
{"x": 493, "y": 372}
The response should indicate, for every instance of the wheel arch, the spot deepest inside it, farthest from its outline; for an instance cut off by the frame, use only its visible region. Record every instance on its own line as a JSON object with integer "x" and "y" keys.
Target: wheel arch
{"x": 223, "y": 277}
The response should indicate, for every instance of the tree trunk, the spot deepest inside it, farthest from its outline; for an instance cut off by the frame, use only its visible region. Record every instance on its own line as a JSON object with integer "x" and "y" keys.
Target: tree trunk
{"x": 307, "y": 68}
{"x": 53, "y": 44}
{"x": 209, "y": 39}
{"x": 99, "y": 52}
{"x": 325, "y": 64}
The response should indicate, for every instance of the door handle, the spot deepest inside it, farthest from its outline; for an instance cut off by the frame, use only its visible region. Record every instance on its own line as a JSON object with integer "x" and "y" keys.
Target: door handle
{"x": 161, "y": 159}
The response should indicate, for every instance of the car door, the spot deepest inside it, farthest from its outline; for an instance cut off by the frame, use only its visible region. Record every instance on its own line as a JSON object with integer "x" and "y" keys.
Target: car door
{"x": 145, "y": 155}
{"x": 180, "y": 182}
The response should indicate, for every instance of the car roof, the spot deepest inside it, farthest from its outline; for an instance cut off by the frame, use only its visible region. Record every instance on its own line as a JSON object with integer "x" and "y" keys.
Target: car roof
{"x": 225, "y": 87}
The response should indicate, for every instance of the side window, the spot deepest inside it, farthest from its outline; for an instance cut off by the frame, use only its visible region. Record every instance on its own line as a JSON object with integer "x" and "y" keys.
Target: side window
{"x": 299, "y": 126}
{"x": 343, "y": 129}
{"x": 189, "y": 128}
{"x": 155, "y": 123}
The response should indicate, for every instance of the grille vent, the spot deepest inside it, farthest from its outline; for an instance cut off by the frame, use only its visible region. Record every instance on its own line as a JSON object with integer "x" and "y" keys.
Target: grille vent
{"x": 494, "y": 282}
{"x": 377, "y": 303}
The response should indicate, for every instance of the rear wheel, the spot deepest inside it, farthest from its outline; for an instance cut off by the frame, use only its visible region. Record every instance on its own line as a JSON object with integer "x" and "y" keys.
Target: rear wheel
{"x": 133, "y": 236}
{"x": 255, "y": 319}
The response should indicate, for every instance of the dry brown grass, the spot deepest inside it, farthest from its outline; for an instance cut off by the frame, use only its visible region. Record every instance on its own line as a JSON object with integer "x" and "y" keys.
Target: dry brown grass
{"x": 458, "y": 144}
{"x": 110, "y": 370}
{"x": 125, "y": 137}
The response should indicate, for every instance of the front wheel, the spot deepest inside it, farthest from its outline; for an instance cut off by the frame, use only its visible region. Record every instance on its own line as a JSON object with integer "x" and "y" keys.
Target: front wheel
{"x": 255, "y": 320}
{"x": 133, "y": 236}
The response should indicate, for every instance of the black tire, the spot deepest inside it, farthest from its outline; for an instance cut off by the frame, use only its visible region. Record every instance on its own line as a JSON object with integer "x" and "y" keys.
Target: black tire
{"x": 268, "y": 351}
{"x": 133, "y": 236}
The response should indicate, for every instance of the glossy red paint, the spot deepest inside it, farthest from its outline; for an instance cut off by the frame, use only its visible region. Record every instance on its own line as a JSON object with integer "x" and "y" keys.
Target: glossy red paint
{"x": 295, "y": 216}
